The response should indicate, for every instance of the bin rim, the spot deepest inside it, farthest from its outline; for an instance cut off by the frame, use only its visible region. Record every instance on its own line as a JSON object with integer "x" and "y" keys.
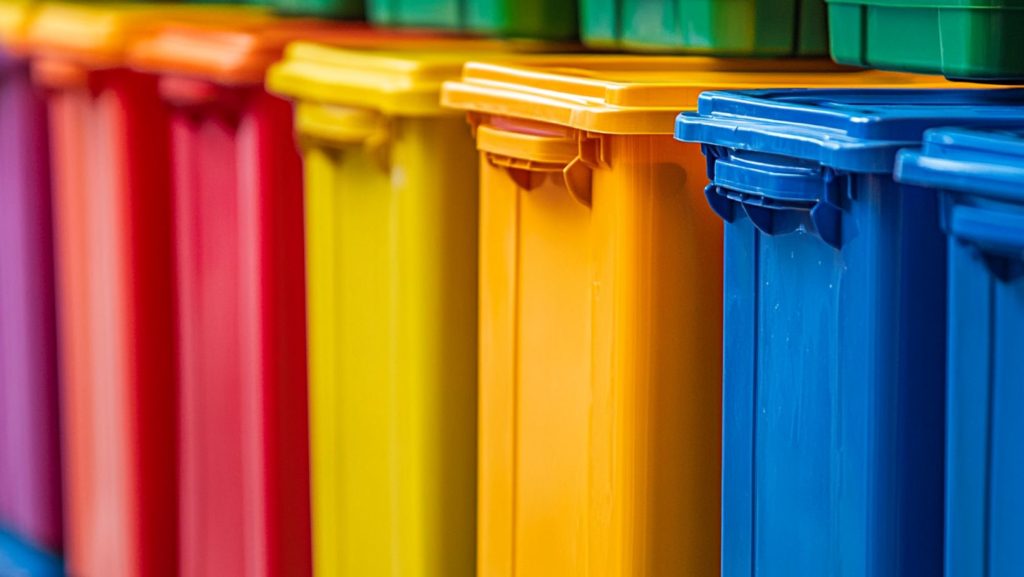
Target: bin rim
{"x": 614, "y": 94}
{"x": 232, "y": 54}
{"x": 403, "y": 80}
{"x": 847, "y": 130}
{"x": 100, "y": 36}
{"x": 981, "y": 161}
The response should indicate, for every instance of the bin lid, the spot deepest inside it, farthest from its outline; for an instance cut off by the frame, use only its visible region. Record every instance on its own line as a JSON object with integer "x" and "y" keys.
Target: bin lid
{"x": 849, "y": 130}
{"x": 639, "y": 94}
{"x": 99, "y": 36}
{"x": 406, "y": 81}
{"x": 986, "y": 161}
{"x": 241, "y": 53}
{"x": 14, "y": 17}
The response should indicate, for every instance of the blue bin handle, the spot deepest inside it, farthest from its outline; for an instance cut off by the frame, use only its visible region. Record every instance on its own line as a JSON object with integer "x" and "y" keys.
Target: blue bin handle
{"x": 997, "y": 234}
{"x": 776, "y": 196}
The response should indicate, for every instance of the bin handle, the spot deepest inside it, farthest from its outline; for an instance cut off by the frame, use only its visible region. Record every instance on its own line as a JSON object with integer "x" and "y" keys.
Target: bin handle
{"x": 814, "y": 205}
{"x": 998, "y": 236}
{"x": 346, "y": 126}
{"x": 525, "y": 155}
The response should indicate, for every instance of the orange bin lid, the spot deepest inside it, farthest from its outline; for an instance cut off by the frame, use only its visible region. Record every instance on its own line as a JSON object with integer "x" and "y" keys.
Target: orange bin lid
{"x": 615, "y": 94}
{"x": 240, "y": 53}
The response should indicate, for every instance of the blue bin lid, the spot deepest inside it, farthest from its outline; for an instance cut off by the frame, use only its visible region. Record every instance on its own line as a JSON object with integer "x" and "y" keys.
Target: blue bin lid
{"x": 984, "y": 161}
{"x": 844, "y": 129}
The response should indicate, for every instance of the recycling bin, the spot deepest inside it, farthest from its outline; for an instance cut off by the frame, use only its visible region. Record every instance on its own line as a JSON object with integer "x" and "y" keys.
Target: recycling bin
{"x": 743, "y": 27}
{"x": 30, "y": 485}
{"x": 834, "y": 326}
{"x": 980, "y": 174}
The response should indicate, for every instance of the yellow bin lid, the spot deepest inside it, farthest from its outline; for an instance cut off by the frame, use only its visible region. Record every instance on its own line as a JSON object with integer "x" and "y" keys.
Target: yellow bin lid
{"x": 99, "y": 36}
{"x": 406, "y": 81}
{"x": 14, "y": 18}
{"x": 641, "y": 94}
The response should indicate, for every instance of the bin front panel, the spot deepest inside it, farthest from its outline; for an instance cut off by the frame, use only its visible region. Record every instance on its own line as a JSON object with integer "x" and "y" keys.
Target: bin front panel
{"x": 241, "y": 323}
{"x": 30, "y": 485}
{"x": 391, "y": 243}
{"x": 832, "y": 425}
{"x": 113, "y": 231}
{"x": 599, "y": 363}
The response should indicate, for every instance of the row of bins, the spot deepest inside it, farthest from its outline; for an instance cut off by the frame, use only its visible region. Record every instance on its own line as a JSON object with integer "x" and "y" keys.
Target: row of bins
{"x": 970, "y": 39}
{"x": 515, "y": 349}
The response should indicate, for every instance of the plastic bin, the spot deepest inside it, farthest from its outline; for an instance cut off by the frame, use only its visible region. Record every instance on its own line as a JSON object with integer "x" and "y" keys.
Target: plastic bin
{"x": 30, "y": 486}
{"x": 325, "y": 8}
{"x": 391, "y": 230}
{"x": 835, "y": 308}
{"x": 743, "y": 27}
{"x": 19, "y": 558}
{"x": 239, "y": 253}
{"x": 109, "y": 135}
{"x": 540, "y": 19}
{"x": 967, "y": 39}
{"x": 600, "y": 313}
{"x": 982, "y": 211}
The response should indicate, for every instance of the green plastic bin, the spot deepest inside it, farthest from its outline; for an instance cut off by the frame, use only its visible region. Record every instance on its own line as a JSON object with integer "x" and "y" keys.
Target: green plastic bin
{"x": 723, "y": 27}
{"x": 978, "y": 40}
{"x": 347, "y": 9}
{"x": 541, "y": 19}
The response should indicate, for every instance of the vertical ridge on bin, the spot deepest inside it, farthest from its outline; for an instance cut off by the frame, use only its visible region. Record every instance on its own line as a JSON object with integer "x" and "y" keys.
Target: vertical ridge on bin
{"x": 978, "y": 176}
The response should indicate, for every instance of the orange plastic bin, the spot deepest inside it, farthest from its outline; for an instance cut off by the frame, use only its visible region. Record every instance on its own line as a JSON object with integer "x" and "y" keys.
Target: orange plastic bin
{"x": 601, "y": 312}
{"x": 112, "y": 220}
{"x": 237, "y": 202}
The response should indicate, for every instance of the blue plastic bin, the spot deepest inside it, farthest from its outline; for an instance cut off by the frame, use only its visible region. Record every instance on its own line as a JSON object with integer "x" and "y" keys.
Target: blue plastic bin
{"x": 19, "y": 559}
{"x": 835, "y": 303}
{"x": 982, "y": 207}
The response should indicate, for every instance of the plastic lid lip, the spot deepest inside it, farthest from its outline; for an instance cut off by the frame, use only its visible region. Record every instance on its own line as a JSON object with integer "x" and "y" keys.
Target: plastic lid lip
{"x": 232, "y": 55}
{"x": 987, "y": 163}
{"x": 851, "y": 130}
{"x": 634, "y": 94}
{"x": 100, "y": 36}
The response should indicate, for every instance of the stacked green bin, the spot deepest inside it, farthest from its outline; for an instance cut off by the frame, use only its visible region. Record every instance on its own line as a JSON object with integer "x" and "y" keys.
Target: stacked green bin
{"x": 542, "y": 19}
{"x": 725, "y": 27}
{"x": 347, "y": 9}
{"x": 976, "y": 40}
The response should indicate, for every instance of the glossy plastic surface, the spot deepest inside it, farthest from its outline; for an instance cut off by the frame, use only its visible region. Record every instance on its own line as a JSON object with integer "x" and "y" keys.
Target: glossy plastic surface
{"x": 982, "y": 174}
{"x": 835, "y": 312}
{"x": 962, "y": 39}
{"x": 112, "y": 216}
{"x": 19, "y": 558}
{"x": 509, "y": 18}
{"x": 600, "y": 319}
{"x": 746, "y": 27}
{"x": 391, "y": 237}
{"x": 30, "y": 484}
{"x": 244, "y": 458}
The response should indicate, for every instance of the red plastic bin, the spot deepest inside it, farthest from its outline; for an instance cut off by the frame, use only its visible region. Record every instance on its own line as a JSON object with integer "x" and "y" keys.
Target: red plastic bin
{"x": 109, "y": 135}
{"x": 237, "y": 201}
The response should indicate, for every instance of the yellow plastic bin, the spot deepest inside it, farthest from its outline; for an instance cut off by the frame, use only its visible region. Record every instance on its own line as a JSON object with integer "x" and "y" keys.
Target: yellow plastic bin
{"x": 391, "y": 237}
{"x": 601, "y": 311}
